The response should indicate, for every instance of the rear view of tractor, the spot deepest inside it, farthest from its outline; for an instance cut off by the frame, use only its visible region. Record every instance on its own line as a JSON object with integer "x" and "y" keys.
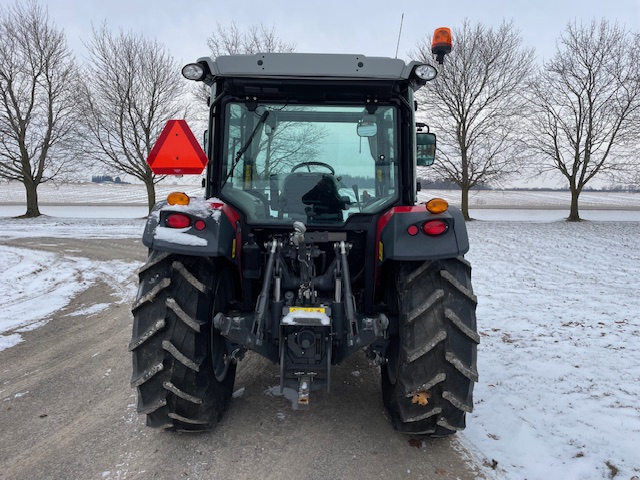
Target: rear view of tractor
{"x": 308, "y": 245}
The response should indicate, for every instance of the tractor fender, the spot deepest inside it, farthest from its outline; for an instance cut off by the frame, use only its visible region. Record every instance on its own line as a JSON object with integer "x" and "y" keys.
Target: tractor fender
{"x": 399, "y": 240}
{"x": 208, "y": 229}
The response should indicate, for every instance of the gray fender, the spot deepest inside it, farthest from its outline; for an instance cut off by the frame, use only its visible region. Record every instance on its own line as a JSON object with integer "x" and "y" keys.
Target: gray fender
{"x": 395, "y": 243}
{"x": 217, "y": 238}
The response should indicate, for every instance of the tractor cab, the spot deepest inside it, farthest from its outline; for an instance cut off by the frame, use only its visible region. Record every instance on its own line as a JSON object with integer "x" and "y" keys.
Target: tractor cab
{"x": 308, "y": 161}
{"x": 317, "y": 144}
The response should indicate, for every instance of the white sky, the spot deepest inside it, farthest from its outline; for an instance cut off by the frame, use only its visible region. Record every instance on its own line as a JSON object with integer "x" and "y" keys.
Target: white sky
{"x": 333, "y": 26}
{"x": 354, "y": 26}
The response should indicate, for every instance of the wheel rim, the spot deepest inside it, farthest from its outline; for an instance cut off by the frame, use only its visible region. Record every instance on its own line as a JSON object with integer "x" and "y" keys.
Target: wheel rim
{"x": 393, "y": 361}
{"x": 220, "y": 360}
{"x": 393, "y": 350}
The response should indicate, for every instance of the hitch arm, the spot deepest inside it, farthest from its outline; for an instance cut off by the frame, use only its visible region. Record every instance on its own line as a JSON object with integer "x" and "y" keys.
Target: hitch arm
{"x": 349, "y": 300}
{"x": 263, "y": 298}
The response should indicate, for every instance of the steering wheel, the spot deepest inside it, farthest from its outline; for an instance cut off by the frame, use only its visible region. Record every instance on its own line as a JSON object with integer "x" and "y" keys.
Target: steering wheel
{"x": 317, "y": 164}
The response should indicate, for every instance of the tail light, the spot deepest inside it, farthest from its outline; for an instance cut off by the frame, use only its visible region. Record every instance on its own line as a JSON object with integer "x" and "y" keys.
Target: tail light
{"x": 435, "y": 227}
{"x": 178, "y": 220}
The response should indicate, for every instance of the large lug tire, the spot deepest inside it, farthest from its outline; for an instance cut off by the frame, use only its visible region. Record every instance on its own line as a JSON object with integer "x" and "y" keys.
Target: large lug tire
{"x": 181, "y": 369}
{"x": 434, "y": 355}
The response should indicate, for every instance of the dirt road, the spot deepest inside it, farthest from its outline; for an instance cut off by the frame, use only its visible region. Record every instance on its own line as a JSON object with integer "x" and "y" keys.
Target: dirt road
{"x": 67, "y": 410}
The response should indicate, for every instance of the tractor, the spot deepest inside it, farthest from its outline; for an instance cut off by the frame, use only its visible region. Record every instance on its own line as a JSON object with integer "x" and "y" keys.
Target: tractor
{"x": 308, "y": 245}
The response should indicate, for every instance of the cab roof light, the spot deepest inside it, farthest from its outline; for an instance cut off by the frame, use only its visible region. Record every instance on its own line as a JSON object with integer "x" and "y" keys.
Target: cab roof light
{"x": 194, "y": 71}
{"x": 425, "y": 72}
{"x": 437, "y": 205}
{"x": 441, "y": 44}
{"x": 178, "y": 198}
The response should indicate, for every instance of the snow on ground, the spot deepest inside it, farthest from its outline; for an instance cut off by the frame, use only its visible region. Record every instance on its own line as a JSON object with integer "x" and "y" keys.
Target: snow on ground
{"x": 70, "y": 227}
{"x": 559, "y": 360}
{"x": 38, "y": 283}
{"x": 112, "y": 194}
{"x": 558, "y": 315}
{"x": 108, "y": 194}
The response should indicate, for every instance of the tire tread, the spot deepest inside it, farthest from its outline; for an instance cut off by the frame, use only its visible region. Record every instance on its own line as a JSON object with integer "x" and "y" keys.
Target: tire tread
{"x": 170, "y": 344}
{"x": 437, "y": 347}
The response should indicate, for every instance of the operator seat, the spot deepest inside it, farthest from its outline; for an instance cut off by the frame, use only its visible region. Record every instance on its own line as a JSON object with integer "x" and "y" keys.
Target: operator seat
{"x": 312, "y": 196}
{"x": 293, "y": 189}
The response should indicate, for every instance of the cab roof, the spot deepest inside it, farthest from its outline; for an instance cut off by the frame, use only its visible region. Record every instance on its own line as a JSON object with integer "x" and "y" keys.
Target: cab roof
{"x": 308, "y": 65}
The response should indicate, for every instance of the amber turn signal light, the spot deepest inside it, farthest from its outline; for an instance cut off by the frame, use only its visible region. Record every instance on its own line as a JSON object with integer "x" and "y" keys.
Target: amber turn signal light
{"x": 178, "y": 198}
{"x": 437, "y": 205}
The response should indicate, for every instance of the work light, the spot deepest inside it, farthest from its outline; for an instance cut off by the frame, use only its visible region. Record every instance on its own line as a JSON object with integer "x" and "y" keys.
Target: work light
{"x": 425, "y": 72}
{"x": 193, "y": 71}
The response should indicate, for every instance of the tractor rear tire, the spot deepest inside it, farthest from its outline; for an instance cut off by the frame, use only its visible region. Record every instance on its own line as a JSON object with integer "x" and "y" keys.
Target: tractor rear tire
{"x": 181, "y": 369}
{"x": 431, "y": 365}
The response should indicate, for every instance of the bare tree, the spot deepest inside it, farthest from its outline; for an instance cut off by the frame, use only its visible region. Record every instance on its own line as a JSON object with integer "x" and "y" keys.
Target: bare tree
{"x": 475, "y": 104}
{"x": 257, "y": 38}
{"x": 38, "y": 108}
{"x": 230, "y": 40}
{"x": 133, "y": 87}
{"x": 586, "y": 102}
{"x": 289, "y": 143}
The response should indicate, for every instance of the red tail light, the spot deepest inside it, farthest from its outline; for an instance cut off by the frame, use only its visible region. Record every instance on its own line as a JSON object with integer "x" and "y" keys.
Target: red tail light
{"x": 435, "y": 227}
{"x": 178, "y": 220}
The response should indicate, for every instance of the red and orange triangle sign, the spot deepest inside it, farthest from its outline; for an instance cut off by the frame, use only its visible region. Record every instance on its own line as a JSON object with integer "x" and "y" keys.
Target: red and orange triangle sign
{"x": 177, "y": 152}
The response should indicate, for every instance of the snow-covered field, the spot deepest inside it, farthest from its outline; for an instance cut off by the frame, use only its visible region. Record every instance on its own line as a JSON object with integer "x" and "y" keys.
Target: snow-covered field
{"x": 558, "y": 315}
{"x": 129, "y": 194}
{"x": 108, "y": 194}
{"x": 559, "y": 360}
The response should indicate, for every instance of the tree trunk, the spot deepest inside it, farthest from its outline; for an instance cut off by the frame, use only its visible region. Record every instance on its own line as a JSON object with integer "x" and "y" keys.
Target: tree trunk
{"x": 151, "y": 194}
{"x": 573, "y": 212}
{"x": 465, "y": 202}
{"x": 32, "y": 200}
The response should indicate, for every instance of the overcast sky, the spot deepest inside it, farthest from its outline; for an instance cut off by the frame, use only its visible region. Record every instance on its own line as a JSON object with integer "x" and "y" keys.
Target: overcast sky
{"x": 336, "y": 26}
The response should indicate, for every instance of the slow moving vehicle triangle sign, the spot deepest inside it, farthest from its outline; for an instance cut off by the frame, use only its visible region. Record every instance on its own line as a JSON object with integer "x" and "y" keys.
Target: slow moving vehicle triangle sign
{"x": 177, "y": 152}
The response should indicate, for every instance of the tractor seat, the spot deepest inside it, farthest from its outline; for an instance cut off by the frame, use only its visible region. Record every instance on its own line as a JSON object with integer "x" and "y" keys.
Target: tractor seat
{"x": 312, "y": 195}
{"x": 294, "y": 188}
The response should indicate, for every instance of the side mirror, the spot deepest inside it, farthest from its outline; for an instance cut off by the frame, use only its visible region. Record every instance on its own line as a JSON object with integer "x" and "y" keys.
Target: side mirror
{"x": 425, "y": 149}
{"x": 367, "y": 129}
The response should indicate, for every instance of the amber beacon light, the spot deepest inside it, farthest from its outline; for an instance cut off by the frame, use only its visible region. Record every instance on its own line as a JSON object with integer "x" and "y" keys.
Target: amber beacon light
{"x": 441, "y": 44}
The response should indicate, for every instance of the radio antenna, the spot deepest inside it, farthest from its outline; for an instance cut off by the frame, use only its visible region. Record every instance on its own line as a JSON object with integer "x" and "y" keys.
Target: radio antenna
{"x": 399, "y": 34}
